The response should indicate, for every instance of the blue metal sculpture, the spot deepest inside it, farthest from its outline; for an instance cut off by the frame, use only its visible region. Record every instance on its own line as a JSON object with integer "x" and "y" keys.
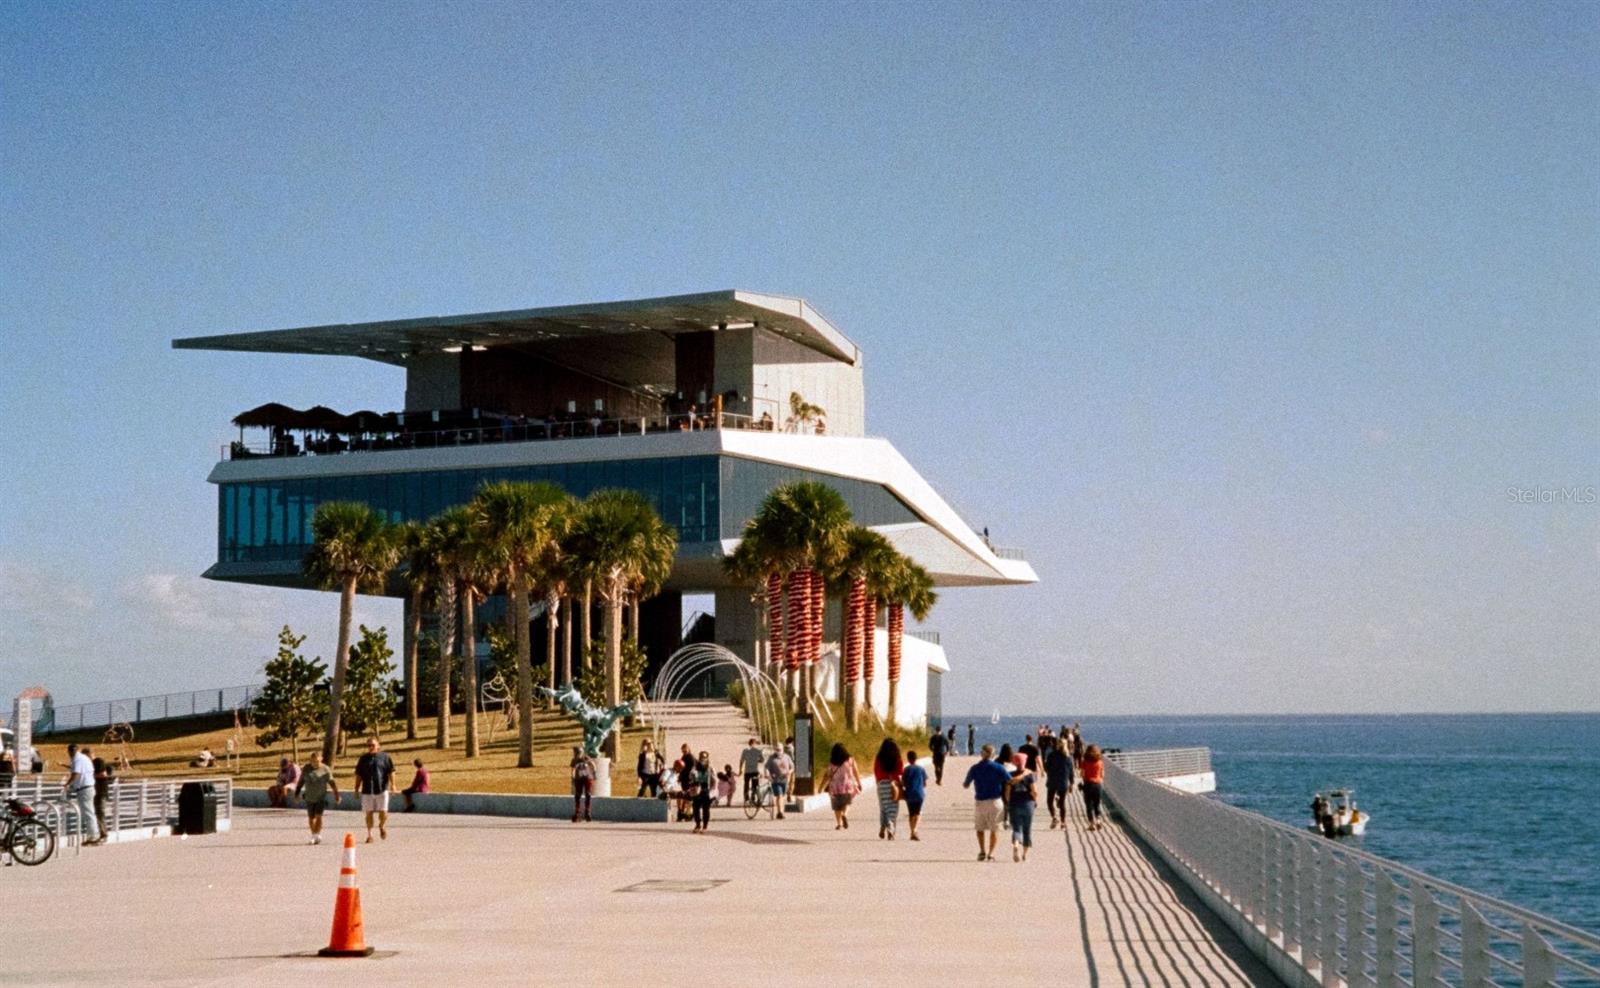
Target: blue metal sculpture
{"x": 597, "y": 722}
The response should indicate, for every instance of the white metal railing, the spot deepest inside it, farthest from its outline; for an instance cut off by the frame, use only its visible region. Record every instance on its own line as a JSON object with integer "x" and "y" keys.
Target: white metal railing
{"x": 1344, "y": 916}
{"x": 134, "y": 807}
{"x": 1163, "y": 763}
{"x": 137, "y": 710}
{"x": 924, "y": 635}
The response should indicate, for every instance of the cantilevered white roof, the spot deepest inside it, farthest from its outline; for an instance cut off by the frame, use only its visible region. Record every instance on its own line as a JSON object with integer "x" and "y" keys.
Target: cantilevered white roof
{"x": 394, "y": 341}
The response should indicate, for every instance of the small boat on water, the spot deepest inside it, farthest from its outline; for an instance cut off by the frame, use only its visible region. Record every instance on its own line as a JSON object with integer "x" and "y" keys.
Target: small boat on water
{"x": 994, "y": 718}
{"x": 1334, "y": 814}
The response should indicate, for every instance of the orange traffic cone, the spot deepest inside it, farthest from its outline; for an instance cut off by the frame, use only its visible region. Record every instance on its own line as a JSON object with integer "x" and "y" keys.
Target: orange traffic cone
{"x": 347, "y": 939}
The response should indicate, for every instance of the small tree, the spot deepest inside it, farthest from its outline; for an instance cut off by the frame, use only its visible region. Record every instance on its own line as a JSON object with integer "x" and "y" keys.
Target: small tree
{"x": 369, "y": 694}
{"x": 591, "y": 682}
{"x": 290, "y": 704}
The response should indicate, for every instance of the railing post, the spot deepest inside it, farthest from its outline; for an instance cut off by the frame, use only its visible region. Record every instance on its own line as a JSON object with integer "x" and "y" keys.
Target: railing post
{"x": 1273, "y": 906}
{"x": 1330, "y": 918}
{"x": 1355, "y": 925}
{"x": 1474, "y": 948}
{"x": 1424, "y": 935}
{"x": 1306, "y": 882}
{"x": 1385, "y": 926}
{"x": 1538, "y": 966}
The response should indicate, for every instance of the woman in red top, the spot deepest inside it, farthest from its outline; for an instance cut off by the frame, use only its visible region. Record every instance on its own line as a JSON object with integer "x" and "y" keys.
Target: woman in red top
{"x": 1093, "y": 769}
{"x": 886, "y": 768}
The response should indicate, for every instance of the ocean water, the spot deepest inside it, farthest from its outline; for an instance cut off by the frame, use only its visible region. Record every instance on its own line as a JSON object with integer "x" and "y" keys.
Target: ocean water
{"x": 1507, "y": 805}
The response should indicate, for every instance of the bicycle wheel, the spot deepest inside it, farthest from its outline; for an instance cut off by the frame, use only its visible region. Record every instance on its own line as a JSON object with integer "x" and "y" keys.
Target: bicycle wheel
{"x": 752, "y": 806}
{"x": 769, "y": 802}
{"x": 32, "y": 842}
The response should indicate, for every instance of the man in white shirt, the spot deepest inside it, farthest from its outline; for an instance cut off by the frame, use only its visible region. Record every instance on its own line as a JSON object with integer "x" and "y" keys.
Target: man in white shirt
{"x": 79, "y": 787}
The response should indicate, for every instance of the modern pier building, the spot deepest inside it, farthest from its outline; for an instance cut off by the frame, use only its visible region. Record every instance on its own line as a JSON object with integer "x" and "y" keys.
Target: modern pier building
{"x": 703, "y": 402}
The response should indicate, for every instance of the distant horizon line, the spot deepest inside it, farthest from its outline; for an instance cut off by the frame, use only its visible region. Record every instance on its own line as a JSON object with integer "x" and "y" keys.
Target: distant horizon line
{"x": 1055, "y": 718}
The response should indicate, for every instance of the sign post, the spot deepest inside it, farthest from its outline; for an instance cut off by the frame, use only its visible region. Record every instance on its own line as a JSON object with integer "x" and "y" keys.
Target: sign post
{"x": 805, "y": 782}
{"x": 22, "y": 733}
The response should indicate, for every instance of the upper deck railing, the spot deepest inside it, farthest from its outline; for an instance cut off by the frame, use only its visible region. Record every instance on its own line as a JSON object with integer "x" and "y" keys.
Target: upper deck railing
{"x": 512, "y": 431}
{"x": 1337, "y": 915}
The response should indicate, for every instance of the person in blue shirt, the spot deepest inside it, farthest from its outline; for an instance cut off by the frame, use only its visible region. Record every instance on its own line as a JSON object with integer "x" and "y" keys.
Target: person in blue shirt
{"x": 914, "y": 786}
{"x": 987, "y": 780}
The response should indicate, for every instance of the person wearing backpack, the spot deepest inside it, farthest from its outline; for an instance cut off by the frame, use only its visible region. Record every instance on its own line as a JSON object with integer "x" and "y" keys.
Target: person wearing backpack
{"x": 583, "y": 772}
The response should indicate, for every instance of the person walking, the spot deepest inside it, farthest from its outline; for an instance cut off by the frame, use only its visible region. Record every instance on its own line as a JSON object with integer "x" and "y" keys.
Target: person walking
{"x": 1007, "y": 759}
{"x": 841, "y": 782}
{"x": 750, "y": 764}
{"x": 972, "y": 739}
{"x": 938, "y": 747}
{"x": 105, "y": 773}
{"x": 420, "y": 783}
{"x": 1057, "y": 781}
{"x": 648, "y": 770}
{"x": 779, "y": 767}
{"x": 914, "y": 786}
{"x": 1030, "y": 753}
{"x": 701, "y": 776}
{"x": 1022, "y": 795}
{"x": 987, "y": 780}
{"x": 1094, "y": 776}
{"x": 316, "y": 780}
{"x": 583, "y": 772}
{"x": 375, "y": 781}
{"x": 79, "y": 789}
{"x": 886, "y": 769}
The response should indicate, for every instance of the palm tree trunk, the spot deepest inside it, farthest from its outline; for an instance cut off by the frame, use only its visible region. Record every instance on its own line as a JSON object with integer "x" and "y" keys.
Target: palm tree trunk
{"x": 341, "y": 666}
{"x": 519, "y": 616}
{"x": 819, "y": 604}
{"x": 552, "y": 611}
{"x": 447, "y": 647}
{"x": 869, "y": 646}
{"x": 897, "y": 626}
{"x": 613, "y": 606}
{"x": 775, "y": 656}
{"x": 800, "y": 632}
{"x": 566, "y": 647}
{"x": 413, "y": 638}
{"x": 588, "y": 621}
{"x": 633, "y": 619}
{"x": 469, "y": 668}
{"x": 850, "y": 652}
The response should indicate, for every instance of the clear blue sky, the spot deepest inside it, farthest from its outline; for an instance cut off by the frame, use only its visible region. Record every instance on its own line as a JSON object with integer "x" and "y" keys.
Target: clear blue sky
{"x": 1240, "y": 318}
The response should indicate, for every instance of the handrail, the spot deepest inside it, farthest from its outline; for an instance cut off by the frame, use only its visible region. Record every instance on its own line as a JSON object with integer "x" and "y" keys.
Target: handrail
{"x": 134, "y": 807}
{"x": 140, "y": 709}
{"x": 511, "y": 432}
{"x": 1163, "y": 763}
{"x": 1342, "y": 914}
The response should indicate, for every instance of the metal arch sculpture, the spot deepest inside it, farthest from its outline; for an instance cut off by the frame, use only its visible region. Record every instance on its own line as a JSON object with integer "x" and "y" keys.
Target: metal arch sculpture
{"x": 597, "y": 722}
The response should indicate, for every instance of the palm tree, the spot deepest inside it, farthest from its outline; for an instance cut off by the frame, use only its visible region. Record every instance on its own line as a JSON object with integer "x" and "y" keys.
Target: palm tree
{"x": 619, "y": 542}
{"x": 868, "y": 556}
{"x": 521, "y": 533}
{"x": 804, "y": 526}
{"x": 462, "y": 560}
{"x": 754, "y": 564}
{"x": 906, "y": 586}
{"x": 422, "y": 576}
{"x": 353, "y": 548}
{"x": 802, "y": 412}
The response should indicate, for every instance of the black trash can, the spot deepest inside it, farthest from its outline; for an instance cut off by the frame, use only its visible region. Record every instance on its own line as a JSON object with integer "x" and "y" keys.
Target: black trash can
{"x": 197, "y": 808}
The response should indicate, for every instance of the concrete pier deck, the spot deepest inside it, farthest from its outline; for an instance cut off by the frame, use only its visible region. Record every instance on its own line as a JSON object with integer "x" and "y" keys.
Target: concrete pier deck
{"x": 486, "y": 901}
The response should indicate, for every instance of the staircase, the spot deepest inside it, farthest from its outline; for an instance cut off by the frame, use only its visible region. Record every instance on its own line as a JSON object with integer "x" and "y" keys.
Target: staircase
{"x": 715, "y": 725}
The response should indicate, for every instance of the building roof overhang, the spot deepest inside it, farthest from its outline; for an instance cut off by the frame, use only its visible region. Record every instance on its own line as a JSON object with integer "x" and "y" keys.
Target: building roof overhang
{"x": 395, "y": 341}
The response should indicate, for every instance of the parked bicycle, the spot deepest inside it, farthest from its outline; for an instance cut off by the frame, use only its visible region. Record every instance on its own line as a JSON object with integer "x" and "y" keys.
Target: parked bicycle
{"x": 23, "y": 835}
